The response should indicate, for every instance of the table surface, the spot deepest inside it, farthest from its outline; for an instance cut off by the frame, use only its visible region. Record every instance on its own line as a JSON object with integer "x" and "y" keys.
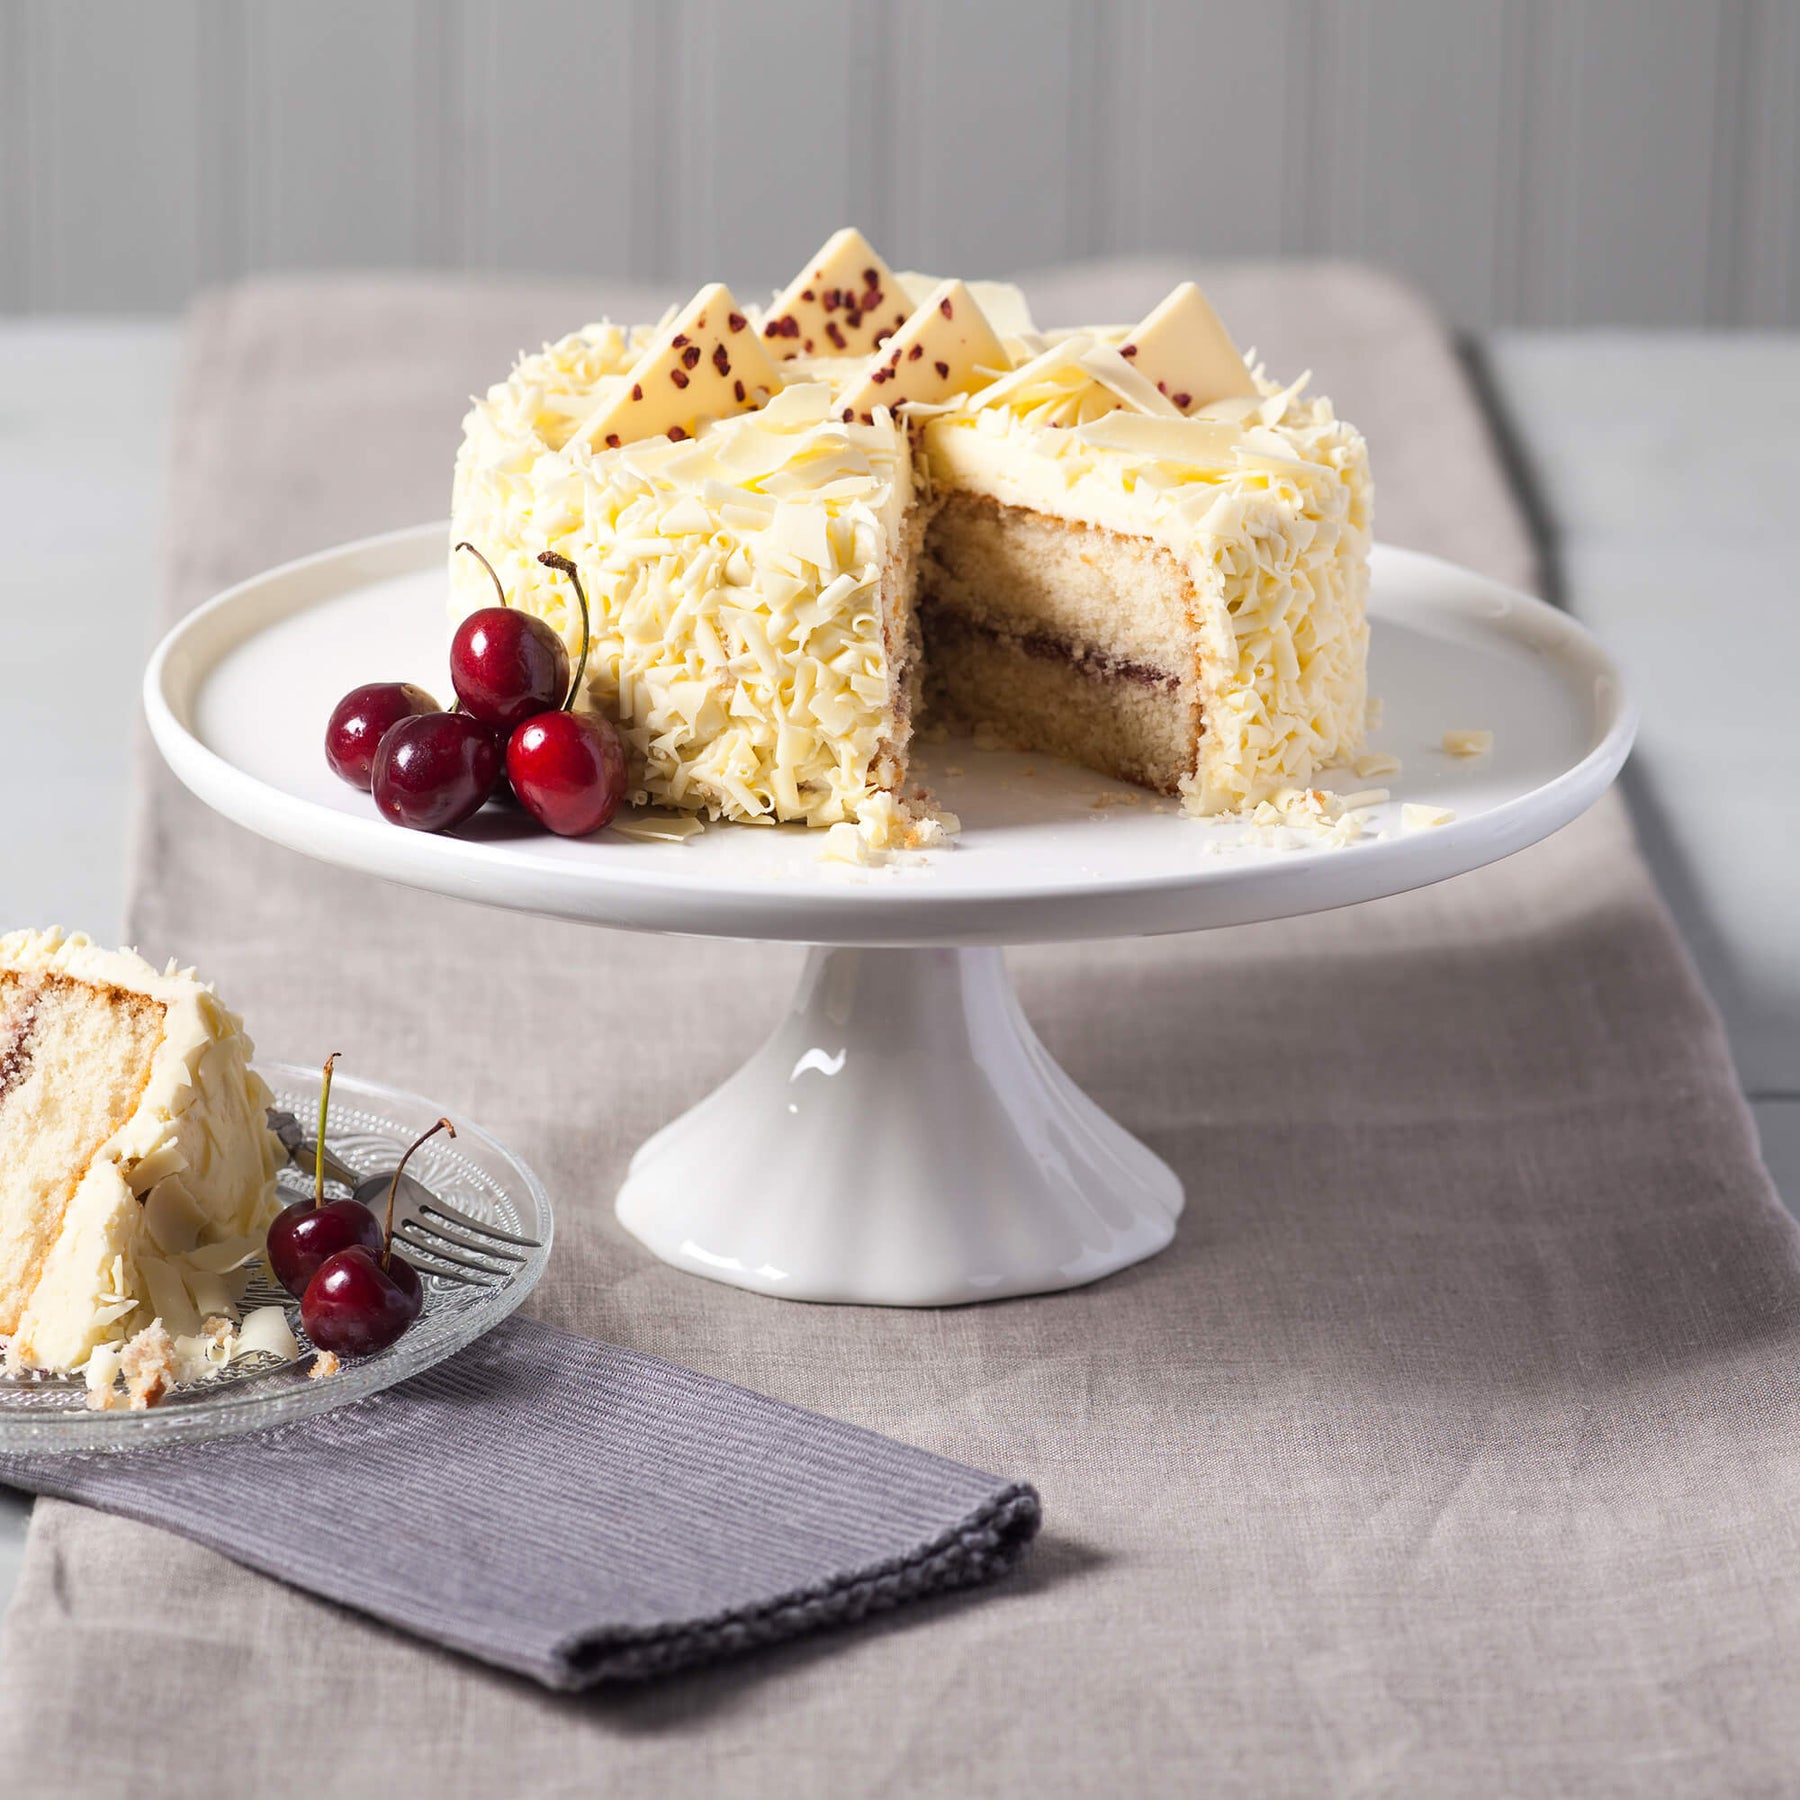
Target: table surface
{"x": 1657, "y": 468}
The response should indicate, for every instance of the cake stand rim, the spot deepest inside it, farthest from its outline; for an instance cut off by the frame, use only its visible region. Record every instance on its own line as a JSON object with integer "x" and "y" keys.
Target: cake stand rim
{"x": 1198, "y": 897}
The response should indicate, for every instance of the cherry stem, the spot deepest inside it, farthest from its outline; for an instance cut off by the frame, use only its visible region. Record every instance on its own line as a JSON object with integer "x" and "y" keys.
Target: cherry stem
{"x": 495, "y": 579}
{"x": 319, "y": 1144}
{"x": 387, "y": 1248}
{"x": 551, "y": 560}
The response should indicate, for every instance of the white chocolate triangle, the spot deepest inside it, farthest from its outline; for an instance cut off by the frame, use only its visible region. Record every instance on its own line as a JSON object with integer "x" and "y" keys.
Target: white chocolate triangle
{"x": 705, "y": 363}
{"x": 1184, "y": 352}
{"x": 843, "y": 303}
{"x": 940, "y": 350}
{"x": 1002, "y": 303}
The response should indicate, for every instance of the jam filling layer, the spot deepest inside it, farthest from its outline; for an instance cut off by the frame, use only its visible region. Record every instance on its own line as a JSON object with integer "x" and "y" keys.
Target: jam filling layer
{"x": 1097, "y": 665}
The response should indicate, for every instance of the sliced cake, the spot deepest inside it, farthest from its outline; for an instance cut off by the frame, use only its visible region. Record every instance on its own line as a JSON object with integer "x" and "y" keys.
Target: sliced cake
{"x": 137, "y": 1170}
{"x": 891, "y": 492}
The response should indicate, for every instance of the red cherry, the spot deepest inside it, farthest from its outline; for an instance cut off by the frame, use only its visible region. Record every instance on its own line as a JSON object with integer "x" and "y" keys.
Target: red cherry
{"x": 568, "y": 771}
{"x": 433, "y": 772}
{"x": 360, "y": 1301}
{"x": 360, "y": 720}
{"x": 305, "y": 1235}
{"x": 507, "y": 665}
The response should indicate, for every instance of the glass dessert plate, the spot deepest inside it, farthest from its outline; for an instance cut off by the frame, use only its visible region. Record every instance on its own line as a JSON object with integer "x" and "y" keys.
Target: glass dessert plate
{"x": 370, "y": 1127}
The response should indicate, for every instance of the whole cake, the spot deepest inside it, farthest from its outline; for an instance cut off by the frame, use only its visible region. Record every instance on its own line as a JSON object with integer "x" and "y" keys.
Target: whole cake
{"x": 802, "y": 530}
{"x": 137, "y": 1170}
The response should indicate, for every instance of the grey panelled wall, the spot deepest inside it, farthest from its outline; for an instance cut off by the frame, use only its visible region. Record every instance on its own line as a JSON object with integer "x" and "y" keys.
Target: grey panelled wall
{"x": 1527, "y": 161}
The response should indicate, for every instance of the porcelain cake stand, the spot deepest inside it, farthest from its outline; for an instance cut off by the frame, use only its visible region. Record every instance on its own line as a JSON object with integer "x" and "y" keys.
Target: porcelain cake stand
{"x": 903, "y": 1138}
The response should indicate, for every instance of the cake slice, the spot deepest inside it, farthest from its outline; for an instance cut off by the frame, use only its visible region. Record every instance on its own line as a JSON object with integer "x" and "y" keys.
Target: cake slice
{"x": 137, "y": 1170}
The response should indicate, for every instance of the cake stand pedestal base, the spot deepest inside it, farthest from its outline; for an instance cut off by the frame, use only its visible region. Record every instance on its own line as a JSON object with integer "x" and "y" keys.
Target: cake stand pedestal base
{"x": 903, "y": 1139}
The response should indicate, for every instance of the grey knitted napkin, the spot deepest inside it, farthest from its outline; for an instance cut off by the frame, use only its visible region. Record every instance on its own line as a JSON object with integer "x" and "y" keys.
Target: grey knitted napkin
{"x": 574, "y": 1511}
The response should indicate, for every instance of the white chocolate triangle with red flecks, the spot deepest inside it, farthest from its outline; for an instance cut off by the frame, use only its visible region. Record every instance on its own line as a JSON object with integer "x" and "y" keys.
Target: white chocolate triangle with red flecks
{"x": 845, "y": 302}
{"x": 1184, "y": 351}
{"x": 704, "y": 364}
{"x": 941, "y": 350}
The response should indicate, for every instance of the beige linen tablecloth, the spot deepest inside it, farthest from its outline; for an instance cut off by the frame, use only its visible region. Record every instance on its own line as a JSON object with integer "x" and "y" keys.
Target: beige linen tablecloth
{"x": 1451, "y": 1447}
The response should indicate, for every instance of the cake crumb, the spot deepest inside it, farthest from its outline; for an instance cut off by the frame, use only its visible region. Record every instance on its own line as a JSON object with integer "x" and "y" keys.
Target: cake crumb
{"x": 1417, "y": 817}
{"x": 212, "y": 1347}
{"x": 845, "y": 844}
{"x": 932, "y": 831}
{"x": 1295, "y": 817}
{"x": 1300, "y": 808}
{"x": 147, "y": 1364}
{"x": 324, "y": 1363}
{"x": 15, "y": 1357}
{"x": 102, "y": 1376}
{"x": 1468, "y": 743}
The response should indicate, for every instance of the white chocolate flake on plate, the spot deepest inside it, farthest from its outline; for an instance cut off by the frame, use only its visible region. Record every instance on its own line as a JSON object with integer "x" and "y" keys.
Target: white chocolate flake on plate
{"x": 1468, "y": 743}
{"x": 265, "y": 1332}
{"x": 658, "y": 828}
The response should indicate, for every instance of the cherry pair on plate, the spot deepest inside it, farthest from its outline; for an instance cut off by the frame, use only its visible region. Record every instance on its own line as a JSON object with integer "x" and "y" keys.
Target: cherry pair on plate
{"x": 356, "y": 1296}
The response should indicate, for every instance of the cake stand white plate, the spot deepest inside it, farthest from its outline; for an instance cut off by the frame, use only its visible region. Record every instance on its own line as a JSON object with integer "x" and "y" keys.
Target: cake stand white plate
{"x": 903, "y": 1138}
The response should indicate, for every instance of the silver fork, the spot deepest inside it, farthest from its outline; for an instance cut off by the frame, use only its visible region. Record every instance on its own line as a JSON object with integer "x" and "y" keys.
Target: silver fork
{"x": 439, "y": 1238}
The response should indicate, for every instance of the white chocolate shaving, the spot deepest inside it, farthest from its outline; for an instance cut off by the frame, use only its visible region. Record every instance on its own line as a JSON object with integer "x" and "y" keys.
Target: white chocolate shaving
{"x": 1468, "y": 743}
{"x": 265, "y": 1332}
